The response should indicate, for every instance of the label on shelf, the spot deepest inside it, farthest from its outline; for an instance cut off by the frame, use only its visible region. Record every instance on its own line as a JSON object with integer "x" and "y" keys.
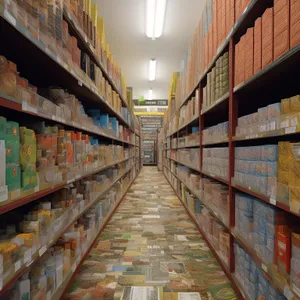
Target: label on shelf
{"x": 10, "y": 18}
{"x": 290, "y": 130}
{"x": 264, "y": 267}
{"x": 272, "y": 201}
{"x": 42, "y": 250}
{"x": 27, "y": 256}
{"x": 73, "y": 267}
{"x": 80, "y": 82}
{"x": 288, "y": 293}
{"x": 3, "y": 193}
{"x": 17, "y": 266}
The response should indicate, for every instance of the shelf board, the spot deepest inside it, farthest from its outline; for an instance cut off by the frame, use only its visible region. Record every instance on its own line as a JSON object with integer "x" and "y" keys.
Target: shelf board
{"x": 9, "y": 205}
{"x": 26, "y": 267}
{"x": 216, "y": 143}
{"x": 45, "y": 58}
{"x": 186, "y": 146}
{"x": 187, "y": 165}
{"x": 14, "y": 104}
{"x": 253, "y": 192}
{"x": 213, "y": 107}
{"x": 219, "y": 259}
{"x": 85, "y": 44}
{"x": 269, "y": 134}
{"x": 213, "y": 176}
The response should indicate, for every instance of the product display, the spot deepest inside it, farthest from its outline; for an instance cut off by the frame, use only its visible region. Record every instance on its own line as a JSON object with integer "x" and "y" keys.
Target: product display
{"x": 215, "y": 161}
{"x": 242, "y": 185}
{"x": 68, "y": 142}
{"x": 217, "y": 82}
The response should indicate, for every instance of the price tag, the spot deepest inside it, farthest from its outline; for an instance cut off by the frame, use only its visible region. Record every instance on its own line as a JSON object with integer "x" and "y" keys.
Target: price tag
{"x": 290, "y": 130}
{"x": 288, "y": 293}
{"x": 73, "y": 267}
{"x": 249, "y": 188}
{"x": 264, "y": 267}
{"x": 17, "y": 266}
{"x": 10, "y": 18}
{"x": 3, "y": 193}
{"x": 42, "y": 250}
{"x": 80, "y": 82}
{"x": 27, "y": 256}
{"x": 273, "y": 201}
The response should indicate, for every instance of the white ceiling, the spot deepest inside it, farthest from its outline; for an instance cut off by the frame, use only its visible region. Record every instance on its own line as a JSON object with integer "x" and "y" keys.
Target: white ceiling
{"x": 125, "y": 32}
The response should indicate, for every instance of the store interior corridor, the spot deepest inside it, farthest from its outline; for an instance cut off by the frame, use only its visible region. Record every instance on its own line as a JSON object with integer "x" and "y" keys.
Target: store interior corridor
{"x": 150, "y": 249}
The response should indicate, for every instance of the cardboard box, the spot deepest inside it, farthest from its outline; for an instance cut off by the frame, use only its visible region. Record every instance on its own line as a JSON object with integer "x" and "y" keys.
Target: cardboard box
{"x": 267, "y": 38}
{"x": 249, "y": 53}
{"x": 257, "y": 45}
{"x": 294, "y": 23}
{"x": 281, "y": 27}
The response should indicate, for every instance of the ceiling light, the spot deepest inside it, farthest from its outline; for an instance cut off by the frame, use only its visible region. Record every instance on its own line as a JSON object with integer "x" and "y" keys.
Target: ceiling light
{"x": 152, "y": 69}
{"x": 156, "y": 11}
{"x": 150, "y": 95}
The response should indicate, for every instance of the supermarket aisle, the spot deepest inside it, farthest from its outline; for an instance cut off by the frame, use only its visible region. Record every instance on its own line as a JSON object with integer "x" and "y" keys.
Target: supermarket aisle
{"x": 151, "y": 241}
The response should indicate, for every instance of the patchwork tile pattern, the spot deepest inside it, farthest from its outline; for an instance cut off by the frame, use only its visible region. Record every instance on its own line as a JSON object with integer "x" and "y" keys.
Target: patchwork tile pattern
{"x": 151, "y": 250}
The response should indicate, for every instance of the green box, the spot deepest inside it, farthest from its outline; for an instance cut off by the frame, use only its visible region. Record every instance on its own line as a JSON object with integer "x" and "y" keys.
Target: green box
{"x": 13, "y": 177}
{"x": 27, "y": 147}
{"x": 29, "y": 177}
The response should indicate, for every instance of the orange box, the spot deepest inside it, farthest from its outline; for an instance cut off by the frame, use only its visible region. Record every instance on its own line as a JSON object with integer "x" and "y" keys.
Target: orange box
{"x": 257, "y": 45}
{"x": 242, "y": 58}
{"x": 267, "y": 37}
{"x": 237, "y": 10}
{"x": 249, "y": 55}
{"x": 236, "y": 64}
{"x": 294, "y": 23}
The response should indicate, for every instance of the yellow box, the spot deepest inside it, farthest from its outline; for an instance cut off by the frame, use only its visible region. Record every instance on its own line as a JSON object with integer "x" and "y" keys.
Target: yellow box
{"x": 94, "y": 15}
{"x": 285, "y": 106}
{"x": 295, "y": 104}
{"x": 295, "y": 198}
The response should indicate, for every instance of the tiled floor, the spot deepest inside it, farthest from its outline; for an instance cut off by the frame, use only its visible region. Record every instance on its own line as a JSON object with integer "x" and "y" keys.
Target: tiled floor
{"x": 151, "y": 250}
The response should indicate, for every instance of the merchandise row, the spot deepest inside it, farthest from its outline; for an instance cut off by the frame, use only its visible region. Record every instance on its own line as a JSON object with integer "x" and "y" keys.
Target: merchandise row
{"x": 55, "y": 103}
{"x": 189, "y": 140}
{"x": 265, "y": 229}
{"x": 48, "y": 276}
{"x": 215, "y": 134}
{"x": 47, "y": 25}
{"x": 189, "y": 111}
{"x": 41, "y": 156}
{"x": 273, "y": 34}
{"x": 217, "y": 82}
{"x": 283, "y": 116}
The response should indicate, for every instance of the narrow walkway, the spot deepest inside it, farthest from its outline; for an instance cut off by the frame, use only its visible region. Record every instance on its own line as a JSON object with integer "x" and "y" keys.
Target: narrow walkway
{"x": 151, "y": 243}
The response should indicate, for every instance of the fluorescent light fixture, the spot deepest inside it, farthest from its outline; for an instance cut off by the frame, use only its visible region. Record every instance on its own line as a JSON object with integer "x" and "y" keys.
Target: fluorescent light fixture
{"x": 152, "y": 69}
{"x": 150, "y": 94}
{"x": 156, "y": 11}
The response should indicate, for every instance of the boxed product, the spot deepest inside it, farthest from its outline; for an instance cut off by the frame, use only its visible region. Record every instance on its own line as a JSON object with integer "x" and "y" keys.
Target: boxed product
{"x": 267, "y": 37}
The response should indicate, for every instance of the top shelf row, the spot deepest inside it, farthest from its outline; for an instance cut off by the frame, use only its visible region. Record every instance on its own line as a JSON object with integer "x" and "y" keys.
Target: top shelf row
{"x": 64, "y": 55}
{"x": 239, "y": 20}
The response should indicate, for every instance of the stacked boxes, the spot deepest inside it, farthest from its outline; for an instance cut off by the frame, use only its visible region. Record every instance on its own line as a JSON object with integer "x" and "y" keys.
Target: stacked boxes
{"x": 189, "y": 156}
{"x": 249, "y": 52}
{"x": 294, "y": 23}
{"x": 217, "y": 82}
{"x": 215, "y": 133}
{"x": 189, "y": 111}
{"x": 267, "y": 37}
{"x": 28, "y": 158}
{"x": 216, "y": 161}
{"x": 260, "y": 224}
{"x": 281, "y": 27}
{"x": 257, "y": 46}
{"x": 265, "y": 119}
{"x": 9, "y": 133}
{"x": 295, "y": 271}
{"x": 288, "y": 175}
{"x": 251, "y": 277}
{"x": 256, "y": 167}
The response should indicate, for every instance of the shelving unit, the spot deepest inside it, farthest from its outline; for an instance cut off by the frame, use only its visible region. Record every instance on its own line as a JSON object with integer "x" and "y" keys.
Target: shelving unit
{"x": 268, "y": 86}
{"x": 48, "y": 66}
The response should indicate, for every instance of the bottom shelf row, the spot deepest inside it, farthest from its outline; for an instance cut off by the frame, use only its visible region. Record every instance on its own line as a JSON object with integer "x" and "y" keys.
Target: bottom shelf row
{"x": 49, "y": 276}
{"x": 255, "y": 242}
